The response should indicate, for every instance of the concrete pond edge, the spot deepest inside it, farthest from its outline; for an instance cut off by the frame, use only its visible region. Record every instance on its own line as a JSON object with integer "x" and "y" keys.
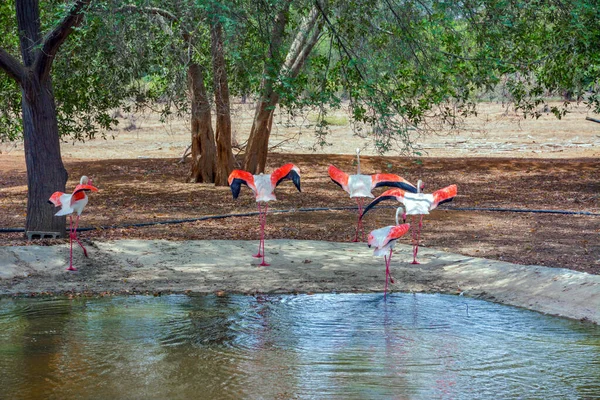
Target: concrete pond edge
{"x": 297, "y": 266}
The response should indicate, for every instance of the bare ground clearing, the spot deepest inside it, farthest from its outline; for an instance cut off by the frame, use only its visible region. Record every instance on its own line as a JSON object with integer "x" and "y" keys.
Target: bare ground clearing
{"x": 497, "y": 161}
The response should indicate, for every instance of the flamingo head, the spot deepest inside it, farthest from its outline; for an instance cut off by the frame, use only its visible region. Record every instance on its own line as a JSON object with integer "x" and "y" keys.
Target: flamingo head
{"x": 370, "y": 240}
{"x": 420, "y": 185}
{"x": 85, "y": 180}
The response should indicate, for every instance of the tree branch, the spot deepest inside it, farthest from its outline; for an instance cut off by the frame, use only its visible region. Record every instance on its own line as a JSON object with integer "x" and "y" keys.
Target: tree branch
{"x": 276, "y": 37}
{"x": 307, "y": 49}
{"x": 185, "y": 31}
{"x": 56, "y": 37}
{"x": 11, "y": 66}
{"x": 150, "y": 10}
{"x": 298, "y": 44}
{"x": 339, "y": 39}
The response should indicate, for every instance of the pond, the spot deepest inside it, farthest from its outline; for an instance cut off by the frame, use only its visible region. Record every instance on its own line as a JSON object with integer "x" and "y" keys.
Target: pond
{"x": 347, "y": 346}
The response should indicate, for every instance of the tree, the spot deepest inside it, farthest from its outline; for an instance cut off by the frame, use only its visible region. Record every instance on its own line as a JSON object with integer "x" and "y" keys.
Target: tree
{"x": 543, "y": 48}
{"x": 223, "y": 135}
{"x": 45, "y": 170}
{"x": 279, "y": 69}
{"x": 204, "y": 150}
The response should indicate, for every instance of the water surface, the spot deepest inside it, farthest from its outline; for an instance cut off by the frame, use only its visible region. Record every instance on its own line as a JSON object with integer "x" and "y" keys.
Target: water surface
{"x": 346, "y": 346}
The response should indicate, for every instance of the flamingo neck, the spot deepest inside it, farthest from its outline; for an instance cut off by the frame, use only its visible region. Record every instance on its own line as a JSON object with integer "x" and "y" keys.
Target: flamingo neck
{"x": 419, "y": 185}
{"x": 398, "y": 212}
{"x": 357, "y": 161}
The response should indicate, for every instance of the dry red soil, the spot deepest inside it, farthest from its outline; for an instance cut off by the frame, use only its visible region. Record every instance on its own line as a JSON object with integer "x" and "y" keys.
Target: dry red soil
{"x": 151, "y": 190}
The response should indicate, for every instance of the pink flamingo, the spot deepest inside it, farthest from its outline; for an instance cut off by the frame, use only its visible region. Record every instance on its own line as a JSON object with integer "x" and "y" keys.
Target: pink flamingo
{"x": 384, "y": 239}
{"x": 263, "y": 187}
{"x": 417, "y": 204}
{"x": 360, "y": 186}
{"x": 70, "y": 204}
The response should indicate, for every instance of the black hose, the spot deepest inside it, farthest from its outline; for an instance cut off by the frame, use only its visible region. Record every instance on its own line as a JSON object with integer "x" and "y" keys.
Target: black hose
{"x": 254, "y": 213}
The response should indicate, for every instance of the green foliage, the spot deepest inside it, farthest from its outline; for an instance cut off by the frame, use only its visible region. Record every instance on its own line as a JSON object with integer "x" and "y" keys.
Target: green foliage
{"x": 399, "y": 65}
{"x": 544, "y": 49}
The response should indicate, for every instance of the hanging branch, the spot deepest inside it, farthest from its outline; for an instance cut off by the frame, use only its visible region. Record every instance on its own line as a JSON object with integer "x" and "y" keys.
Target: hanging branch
{"x": 338, "y": 38}
{"x": 55, "y": 38}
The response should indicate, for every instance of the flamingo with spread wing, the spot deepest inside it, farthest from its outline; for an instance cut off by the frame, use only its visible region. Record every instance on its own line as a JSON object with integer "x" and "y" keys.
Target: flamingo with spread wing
{"x": 263, "y": 187}
{"x": 384, "y": 239}
{"x": 360, "y": 186}
{"x": 416, "y": 204}
{"x": 70, "y": 204}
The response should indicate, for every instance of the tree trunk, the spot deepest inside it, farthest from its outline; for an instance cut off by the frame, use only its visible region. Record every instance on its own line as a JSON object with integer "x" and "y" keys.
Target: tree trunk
{"x": 46, "y": 173}
{"x": 45, "y": 170}
{"x": 203, "y": 138}
{"x": 258, "y": 142}
{"x": 223, "y": 126}
{"x": 306, "y": 38}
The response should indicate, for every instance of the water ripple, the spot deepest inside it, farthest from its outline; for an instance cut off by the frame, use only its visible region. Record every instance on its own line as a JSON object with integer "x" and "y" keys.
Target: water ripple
{"x": 286, "y": 346}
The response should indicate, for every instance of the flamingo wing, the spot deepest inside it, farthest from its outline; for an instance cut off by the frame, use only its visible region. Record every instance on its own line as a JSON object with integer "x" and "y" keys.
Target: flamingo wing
{"x": 239, "y": 177}
{"x": 84, "y": 188}
{"x": 339, "y": 177}
{"x": 55, "y": 199}
{"x": 398, "y": 231}
{"x": 444, "y": 195}
{"x": 288, "y": 171}
{"x": 383, "y": 238}
{"x": 79, "y": 192}
{"x": 378, "y": 180}
{"x": 397, "y": 194}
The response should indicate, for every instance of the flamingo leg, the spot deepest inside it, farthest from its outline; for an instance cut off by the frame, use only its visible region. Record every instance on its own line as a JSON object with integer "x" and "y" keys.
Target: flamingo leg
{"x": 262, "y": 227}
{"x": 359, "y": 227}
{"x": 262, "y": 237}
{"x": 75, "y": 236}
{"x": 417, "y": 235}
{"x": 71, "y": 244}
{"x": 388, "y": 260}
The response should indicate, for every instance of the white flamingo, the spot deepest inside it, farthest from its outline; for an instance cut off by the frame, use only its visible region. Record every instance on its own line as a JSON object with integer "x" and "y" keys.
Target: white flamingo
{"x": 70, "y": 204}
{"x": 384, "y": 239}
{"x": 360, "y": 186}
{"x": 263, "y": 187}
{"x": 417, "y": 204}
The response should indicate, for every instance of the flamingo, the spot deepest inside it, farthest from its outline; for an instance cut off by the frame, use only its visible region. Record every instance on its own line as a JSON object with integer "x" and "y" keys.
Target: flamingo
{"x": 263, "y": 187}
{"x": 360, "y": 186}
{"x": 70, "y": 204}
{"x": 417, "y": 204}
{"x": 384, "y": 239}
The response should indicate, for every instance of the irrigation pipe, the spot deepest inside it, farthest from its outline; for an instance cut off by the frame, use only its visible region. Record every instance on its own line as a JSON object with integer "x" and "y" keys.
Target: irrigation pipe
{"x": 254, "y": 213}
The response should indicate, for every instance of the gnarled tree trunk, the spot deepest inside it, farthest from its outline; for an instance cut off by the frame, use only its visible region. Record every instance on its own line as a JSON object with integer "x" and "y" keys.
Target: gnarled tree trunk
{"x": 45, "y": 170}
{"x": 203, "y": 138}
{"x": 223, "y": 125}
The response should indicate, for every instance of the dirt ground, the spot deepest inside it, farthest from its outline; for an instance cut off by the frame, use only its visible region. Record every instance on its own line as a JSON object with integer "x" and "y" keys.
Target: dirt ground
{"x": 497, "y": 161}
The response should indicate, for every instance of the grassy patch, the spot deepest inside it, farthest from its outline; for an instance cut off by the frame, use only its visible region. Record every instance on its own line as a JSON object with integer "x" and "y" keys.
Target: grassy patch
{"x": 338, "y": 120}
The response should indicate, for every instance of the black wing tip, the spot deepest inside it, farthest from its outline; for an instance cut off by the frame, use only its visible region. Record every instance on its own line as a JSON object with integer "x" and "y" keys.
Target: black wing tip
{"x": 296, "y": 179}
{"x": 337, "y": 183}
{"x": 294, "y": 176}
{"x": 400, "y": 185}
{"x": 236, "y": 186}
{"x": 446, "y": 201}
{"x": 375, "y": 202}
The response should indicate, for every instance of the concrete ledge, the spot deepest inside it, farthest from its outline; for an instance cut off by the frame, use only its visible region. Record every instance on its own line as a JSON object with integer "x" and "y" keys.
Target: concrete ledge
{"x": 138, "y": 266}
